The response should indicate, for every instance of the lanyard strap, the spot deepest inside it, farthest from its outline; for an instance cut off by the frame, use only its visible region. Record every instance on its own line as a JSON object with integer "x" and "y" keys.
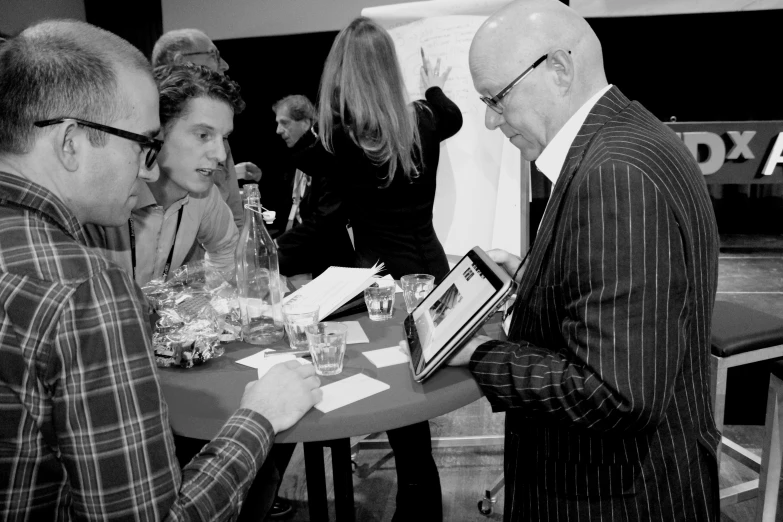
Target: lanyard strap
{"x": 132, "y": 233}
{"x": 301, "y": 181}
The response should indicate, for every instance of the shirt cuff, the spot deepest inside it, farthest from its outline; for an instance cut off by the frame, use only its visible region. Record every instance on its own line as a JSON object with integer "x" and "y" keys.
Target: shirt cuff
{"x": 251, "y": 432}
{"x": 434, "y": 91}
{"x": 491, "y": 352}
{"x": 481, "y": 353}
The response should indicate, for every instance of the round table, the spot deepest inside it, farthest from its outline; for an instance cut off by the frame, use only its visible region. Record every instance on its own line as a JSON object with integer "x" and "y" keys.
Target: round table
{"x": 202, "y": 398}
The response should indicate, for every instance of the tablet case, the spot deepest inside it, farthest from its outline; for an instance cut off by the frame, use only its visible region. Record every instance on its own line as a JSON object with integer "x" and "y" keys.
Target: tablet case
{"x": 475, "y": 315}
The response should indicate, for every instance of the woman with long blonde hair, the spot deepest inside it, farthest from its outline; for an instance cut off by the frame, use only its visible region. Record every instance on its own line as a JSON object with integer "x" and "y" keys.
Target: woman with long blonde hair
{"x": 375, "y": 161}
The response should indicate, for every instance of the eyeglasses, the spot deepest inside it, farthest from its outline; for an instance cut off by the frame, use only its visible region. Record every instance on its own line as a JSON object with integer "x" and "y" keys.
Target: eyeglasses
{"x": 214, "y": 53}
{"x": 493, "y": 102}
{"x": 152, "y": 144}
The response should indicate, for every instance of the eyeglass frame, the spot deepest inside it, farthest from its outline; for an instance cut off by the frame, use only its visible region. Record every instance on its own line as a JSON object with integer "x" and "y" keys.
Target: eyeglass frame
{"x": 493, "y": 102}
{"x": 153, "y": 144}
{"x": 214, "y": 53}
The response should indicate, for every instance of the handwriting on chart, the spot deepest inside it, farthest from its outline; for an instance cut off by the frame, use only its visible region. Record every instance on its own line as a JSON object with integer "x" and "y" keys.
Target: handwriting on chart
{"x": 444, "y": 37}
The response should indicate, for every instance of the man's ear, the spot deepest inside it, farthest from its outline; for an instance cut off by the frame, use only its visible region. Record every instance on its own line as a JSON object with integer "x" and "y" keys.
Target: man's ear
{"x": 69, "y": 143}
{"x": 562, "y": 63}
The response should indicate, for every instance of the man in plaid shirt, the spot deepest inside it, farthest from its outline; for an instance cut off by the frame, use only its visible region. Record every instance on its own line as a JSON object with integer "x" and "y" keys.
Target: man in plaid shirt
{"x": 83, "y": 427}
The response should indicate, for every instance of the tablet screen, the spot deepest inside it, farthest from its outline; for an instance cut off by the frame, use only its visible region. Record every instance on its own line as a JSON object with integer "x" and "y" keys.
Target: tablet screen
{"x": 450, "y": 305}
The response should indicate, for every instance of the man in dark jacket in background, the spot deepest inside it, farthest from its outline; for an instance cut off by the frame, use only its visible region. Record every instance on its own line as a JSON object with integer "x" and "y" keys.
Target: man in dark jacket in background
{"x": 298, "y": 254}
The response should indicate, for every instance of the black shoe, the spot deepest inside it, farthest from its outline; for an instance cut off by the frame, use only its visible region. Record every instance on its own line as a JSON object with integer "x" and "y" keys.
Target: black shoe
{"x": 281, "y": 508}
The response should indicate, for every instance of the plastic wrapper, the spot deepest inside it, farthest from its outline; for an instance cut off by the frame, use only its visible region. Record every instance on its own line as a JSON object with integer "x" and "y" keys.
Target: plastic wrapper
{"x": 198, "y": 310}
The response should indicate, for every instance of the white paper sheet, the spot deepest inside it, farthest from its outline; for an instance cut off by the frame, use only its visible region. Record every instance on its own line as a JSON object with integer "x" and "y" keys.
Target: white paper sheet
{"x": 263, "y": 362}
{"x": 335, "y": 287}
{"x": 256, "y": 359}
{"x": 387, "y": 356}
{"x": 356, "y": 334}
{"x": 350, "y": 390}
{"x": 394, "y": 15}
{"x": 388, "y": 277}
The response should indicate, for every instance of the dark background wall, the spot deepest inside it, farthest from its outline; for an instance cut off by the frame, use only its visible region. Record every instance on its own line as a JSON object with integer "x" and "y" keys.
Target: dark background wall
{"x": 140, "y": 22}
{"x": 267, "y": 69}
{"x": 704, "y": 67}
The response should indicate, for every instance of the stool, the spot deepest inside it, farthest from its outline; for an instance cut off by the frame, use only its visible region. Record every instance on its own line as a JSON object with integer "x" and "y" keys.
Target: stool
{"x": 740, "y": 335}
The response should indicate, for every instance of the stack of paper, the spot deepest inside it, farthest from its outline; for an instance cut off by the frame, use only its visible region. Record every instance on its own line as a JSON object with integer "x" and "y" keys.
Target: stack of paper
{"x": 335, "y": 287}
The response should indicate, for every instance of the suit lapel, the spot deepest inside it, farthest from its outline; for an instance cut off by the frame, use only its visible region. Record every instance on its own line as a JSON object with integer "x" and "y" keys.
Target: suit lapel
{"x": 607, "y": 107}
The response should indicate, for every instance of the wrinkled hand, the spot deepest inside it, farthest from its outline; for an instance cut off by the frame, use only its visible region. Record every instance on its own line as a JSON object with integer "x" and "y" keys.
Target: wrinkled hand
{"x": 431, "y": 76}
{"x": 509, "y": 262}
{"x": 462, "y": 357}
{"x": 248, "y": 171}
{"x": 284, "y": 394}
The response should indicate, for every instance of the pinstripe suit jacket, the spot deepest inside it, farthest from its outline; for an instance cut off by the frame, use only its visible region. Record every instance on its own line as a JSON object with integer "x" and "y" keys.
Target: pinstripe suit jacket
{"x": 605, "y": 375}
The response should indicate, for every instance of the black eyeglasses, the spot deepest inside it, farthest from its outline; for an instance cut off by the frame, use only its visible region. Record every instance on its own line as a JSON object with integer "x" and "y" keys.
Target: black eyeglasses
{"x": 214, "y": 53}
{"x": 493, "y": 102}
{"x": 152, "y": 144}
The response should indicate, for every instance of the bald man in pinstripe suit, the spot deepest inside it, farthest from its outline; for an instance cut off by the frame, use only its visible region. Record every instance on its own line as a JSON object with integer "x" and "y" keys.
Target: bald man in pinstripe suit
{"x": 604, "y": 377}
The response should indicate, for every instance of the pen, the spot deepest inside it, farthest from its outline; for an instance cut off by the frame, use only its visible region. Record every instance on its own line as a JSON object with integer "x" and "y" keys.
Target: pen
{"x": 423, "y": 60}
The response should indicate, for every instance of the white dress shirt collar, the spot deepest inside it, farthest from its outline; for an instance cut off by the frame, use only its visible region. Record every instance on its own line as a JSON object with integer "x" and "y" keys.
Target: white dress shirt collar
{"x": 552, "y": 158}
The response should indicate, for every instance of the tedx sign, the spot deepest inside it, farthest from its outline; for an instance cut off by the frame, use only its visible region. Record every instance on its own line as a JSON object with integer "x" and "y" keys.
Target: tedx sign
{"x": 735, "y": 152}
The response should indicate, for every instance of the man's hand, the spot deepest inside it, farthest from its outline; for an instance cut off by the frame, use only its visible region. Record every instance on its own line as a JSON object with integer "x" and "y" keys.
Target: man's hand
{"x": 284, "y": 394}
{"x": 509, "y": 262}
{"x": 462, "y": 357}
{"x": 248, "y": 171}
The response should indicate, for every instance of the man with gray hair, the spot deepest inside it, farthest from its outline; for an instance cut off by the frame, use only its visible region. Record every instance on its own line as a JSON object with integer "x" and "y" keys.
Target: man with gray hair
{"x": 294, "y": 116}
{"x": 300, "y": 250}
{"x": 192, "y": 45}
{"x": 84, "y": 432}
{"x": 282, "y": 191}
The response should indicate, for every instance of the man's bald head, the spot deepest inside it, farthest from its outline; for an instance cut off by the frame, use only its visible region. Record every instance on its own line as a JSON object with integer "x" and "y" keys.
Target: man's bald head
{"x": 187, "y": 46}
{"x": 510, "y": 41}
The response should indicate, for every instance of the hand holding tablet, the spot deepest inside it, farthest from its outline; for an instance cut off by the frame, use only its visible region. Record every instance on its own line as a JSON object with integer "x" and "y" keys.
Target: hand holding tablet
{"x": 453, "y": 311}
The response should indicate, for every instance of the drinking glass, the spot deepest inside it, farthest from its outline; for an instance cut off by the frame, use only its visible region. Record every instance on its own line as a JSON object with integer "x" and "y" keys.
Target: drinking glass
{"x": 327, "y": 346}
{"x": 415, "y": 288}
{"x": 379, "y": 298}
{"x": 297, "y": 317}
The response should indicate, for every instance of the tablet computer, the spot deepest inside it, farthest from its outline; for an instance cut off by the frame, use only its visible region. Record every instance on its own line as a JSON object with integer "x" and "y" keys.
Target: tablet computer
{"x": 455, "y": 309}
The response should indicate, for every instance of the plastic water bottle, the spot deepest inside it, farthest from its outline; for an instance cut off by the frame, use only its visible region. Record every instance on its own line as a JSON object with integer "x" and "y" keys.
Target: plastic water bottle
{"x": 258, "y": 276}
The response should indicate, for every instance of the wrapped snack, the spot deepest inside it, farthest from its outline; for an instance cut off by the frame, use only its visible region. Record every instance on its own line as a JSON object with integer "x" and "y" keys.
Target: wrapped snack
{"x": 200, "y": 275}
{"x": 187, "y": 347}
{"x": 191, "y": 306}
{"x": 198, "y": 312}
{"x": 159, "y": 294}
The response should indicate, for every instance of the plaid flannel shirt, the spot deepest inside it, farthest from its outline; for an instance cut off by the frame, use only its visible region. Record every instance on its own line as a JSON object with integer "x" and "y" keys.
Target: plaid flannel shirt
{"x": 84, "y": 430}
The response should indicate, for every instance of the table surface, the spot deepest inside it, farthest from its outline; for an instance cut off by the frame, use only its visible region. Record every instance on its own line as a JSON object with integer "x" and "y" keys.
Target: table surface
{"x": 202, "y": 398}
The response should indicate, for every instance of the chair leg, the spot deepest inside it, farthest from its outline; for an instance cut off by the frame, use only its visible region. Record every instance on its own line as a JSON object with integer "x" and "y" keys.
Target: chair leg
{"x": 718, "y": 377}
{"x": 769, "y": 476}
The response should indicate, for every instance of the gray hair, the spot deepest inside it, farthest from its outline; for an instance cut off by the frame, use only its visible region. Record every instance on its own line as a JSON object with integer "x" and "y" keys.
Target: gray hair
{"x": 299, "y": 107}
{"x": 61, "y": 68}
{"x": 169, "y": 47}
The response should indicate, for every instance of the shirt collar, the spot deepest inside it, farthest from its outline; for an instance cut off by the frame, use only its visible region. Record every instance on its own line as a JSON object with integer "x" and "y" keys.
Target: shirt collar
{"x": 147, "y": 199}
{"x": 552, "y": 158}
{"x": 24, "y": 193}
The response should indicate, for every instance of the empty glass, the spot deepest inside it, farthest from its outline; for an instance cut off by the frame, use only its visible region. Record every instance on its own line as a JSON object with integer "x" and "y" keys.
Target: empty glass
{"x": 415, "y": 288}
{"x": 379, "y": 298}
{"x": 327, "y": 346}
